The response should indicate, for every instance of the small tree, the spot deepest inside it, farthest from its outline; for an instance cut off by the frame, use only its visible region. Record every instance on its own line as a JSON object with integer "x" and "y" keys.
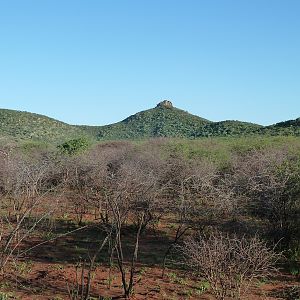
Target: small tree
{"x": 185, "y": 184}
{"x": 129, "y": 195}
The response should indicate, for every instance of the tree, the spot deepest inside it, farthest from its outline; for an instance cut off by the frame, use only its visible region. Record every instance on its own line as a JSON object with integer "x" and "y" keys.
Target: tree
{"x": 25, "y": 183}
{"x": 185, "y": 184}
{"x": 131, "y": 196}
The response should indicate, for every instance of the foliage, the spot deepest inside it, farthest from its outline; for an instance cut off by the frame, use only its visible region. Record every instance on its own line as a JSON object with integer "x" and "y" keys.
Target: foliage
{"x": 74, "y": 146}
{"x": 30, "y": 126}
{"x": 157, "y": 122}
{"x": 172, "y": 122}
{"x": 290, "y": 127}
{"x": 161, "y": 121}
{"x": 229, "y": 128}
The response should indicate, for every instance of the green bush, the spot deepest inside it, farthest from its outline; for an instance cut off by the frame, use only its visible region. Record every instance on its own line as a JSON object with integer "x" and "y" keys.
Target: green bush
{"x": 74, "y": 146}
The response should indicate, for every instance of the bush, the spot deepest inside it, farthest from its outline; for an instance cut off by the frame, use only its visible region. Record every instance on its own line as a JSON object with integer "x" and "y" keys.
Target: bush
{"x": 74, "y": 146}
{"x": 229, "y": 264}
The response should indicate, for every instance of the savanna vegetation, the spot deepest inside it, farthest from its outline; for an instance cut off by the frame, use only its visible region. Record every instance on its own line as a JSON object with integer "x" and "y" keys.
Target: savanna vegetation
{"x": 214, "y": 218}
{"x": 19, "y": 126}
{"x": 161, "y": 121}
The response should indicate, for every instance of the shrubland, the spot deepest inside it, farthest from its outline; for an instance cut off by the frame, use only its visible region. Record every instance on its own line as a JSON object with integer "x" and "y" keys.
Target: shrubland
{"x": 225, "y": 211}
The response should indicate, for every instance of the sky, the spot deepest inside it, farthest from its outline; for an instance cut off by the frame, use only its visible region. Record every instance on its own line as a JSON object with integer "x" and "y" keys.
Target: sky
{"x": 98, "y": 61}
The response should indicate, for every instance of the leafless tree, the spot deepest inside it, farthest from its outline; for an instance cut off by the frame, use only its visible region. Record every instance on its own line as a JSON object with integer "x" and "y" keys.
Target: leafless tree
{"x": 186, "y": 185}
{"x": 25, "y": 183}
{"x": 78, "y": 187}
{"x": 81, "y": 289}
{"x": 132, "y": 196}
{"x": 122, "y": 186}
{"x": 271, "y": 182}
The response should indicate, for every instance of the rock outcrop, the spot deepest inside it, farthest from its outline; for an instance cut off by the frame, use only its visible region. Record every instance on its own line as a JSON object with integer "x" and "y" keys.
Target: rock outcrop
{"x": 165, "y": 103}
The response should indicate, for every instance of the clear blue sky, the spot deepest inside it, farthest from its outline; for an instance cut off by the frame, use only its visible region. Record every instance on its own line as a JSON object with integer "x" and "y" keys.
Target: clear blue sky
{"x": 98, "y": 61}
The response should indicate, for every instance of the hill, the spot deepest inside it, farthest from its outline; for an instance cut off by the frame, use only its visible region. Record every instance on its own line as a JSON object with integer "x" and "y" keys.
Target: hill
{"x": 167, "y": 121}
{"x": 290, "y": 127}
{"x": 24, "y": 125}
{"x": 164, "y": 120}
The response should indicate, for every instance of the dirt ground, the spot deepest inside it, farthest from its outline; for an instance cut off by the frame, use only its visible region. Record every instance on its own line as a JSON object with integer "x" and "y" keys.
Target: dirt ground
{"x": 48, "y": 271}
{"x": 49, "y": 281}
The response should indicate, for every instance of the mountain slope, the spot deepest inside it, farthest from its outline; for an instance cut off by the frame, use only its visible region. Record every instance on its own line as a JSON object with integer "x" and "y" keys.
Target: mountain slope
{"x": 162, "y": 121}
{"x": 24, "y": 125}
{"x": 290, "y": 127}
{"x": 229, "y": 128}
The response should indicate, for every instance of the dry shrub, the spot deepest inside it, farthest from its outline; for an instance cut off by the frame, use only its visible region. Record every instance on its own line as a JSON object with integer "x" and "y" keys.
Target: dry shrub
{"x": 229, "y": 264}
{"x": 270, "y": 180}
{"x": 25, "y": 184}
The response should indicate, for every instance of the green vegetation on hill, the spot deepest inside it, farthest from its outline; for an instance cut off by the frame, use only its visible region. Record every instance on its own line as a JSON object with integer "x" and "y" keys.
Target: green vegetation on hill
{"x": 157, "y": 122}
{"x": 229, "y": 128}
{"x": 25, "y": 125}
{"x": 291, "y": 127}
{"x": 162, "y": 121}
{"x": 168, "y": 121}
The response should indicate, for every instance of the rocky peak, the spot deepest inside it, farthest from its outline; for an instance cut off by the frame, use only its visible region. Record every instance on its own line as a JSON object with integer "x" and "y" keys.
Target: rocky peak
{"x": 165, "y": 104}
